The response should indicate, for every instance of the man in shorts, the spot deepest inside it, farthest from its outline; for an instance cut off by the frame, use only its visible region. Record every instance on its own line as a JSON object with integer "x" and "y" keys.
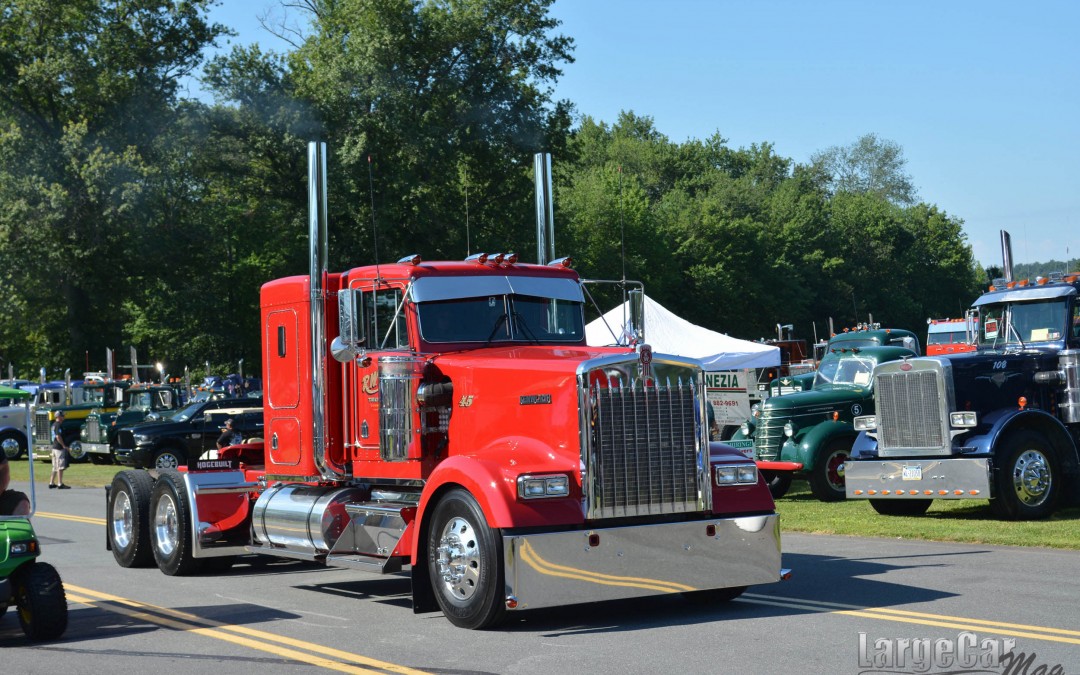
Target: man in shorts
{"x": 59, "y": 454}
{"x": 12, "y": 502}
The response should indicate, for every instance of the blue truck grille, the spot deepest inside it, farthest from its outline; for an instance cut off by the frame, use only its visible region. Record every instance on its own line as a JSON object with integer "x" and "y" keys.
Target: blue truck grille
{"x": 909, "y": 411}
{"x": 644, "y": 455}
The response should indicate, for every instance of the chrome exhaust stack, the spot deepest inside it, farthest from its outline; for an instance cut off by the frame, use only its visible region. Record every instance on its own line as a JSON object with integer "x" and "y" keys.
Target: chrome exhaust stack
{"x": 317, "y": 248}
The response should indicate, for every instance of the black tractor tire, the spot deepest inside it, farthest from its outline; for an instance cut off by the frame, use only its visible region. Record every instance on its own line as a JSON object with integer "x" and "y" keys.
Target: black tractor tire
{"x": 40, "y": 598}
{"x": 169, "y": 458}
{"x": 464, "y": 559}
{"x": 826, "y": 483}
{"x": 901, "y": 507}
{"x": 128, "y": 519}
{"x": 1027, "y": 479}
{"x": 19, "y": 439}
{"x": 779, "y": 482}
{"x": 170, "y": 526}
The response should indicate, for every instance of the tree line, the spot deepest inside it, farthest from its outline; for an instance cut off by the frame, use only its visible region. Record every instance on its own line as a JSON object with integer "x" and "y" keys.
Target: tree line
{"x": 131, "y": 214}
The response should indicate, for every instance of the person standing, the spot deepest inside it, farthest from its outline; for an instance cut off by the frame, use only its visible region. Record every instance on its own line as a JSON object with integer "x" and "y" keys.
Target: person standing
{"x": 59, "y": 453}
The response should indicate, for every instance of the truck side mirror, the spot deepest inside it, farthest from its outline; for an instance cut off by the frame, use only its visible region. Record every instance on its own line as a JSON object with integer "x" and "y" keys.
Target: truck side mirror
{"x": 350, "y": 340}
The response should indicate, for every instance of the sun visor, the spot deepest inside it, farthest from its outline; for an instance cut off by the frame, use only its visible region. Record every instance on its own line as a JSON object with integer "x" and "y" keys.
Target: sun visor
{"x": 429, "y": 289}
{"x": 1025, "y": 294}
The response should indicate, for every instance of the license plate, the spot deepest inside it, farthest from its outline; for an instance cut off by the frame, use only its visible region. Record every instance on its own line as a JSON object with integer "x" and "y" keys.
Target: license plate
{"x": 745, "y": 446}
{"x": 912, "y": 473}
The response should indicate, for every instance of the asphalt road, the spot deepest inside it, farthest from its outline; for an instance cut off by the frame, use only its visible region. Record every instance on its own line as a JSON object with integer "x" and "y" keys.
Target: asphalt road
{"x": 854, "y": 606}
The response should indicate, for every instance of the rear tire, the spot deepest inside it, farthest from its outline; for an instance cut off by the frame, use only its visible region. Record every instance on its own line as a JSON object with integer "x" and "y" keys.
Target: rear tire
{"x": 779, "y": 482}
{"x": 39, "y": 595}
{"x": 901, "y": 507}
{"x": 128, "y": 519}
{"x": 465, "y": 563}
{"x": 1027, "y": 482}
{"x": 826, "y": 480}
{"x": 170, "y": 526}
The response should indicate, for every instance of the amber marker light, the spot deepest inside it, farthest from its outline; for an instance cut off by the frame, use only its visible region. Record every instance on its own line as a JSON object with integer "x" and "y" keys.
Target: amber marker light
{"x": 1022, "y": 401}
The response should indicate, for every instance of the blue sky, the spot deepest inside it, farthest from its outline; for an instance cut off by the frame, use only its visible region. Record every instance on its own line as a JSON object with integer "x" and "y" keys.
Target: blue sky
{"x": 984, "y": 96}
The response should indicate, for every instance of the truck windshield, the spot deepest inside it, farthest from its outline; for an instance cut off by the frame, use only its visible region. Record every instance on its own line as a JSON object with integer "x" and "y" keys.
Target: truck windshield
{"x": 852, "y": 371}
{"x": 139, "y": 400}
{"x": 516, "y": 318}
{"x": 1022, "y": 323}
{"x": 187, "y": 413}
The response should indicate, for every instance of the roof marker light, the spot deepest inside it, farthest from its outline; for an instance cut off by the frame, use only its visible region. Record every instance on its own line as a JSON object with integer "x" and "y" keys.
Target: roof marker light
{"x": 565, "y": 261}
{"x": 479, "y": 258}
{"x": 413, "y": 260}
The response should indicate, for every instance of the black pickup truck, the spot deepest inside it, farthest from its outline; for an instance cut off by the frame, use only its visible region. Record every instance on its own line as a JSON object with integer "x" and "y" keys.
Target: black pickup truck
{"x": 188, "y": 434}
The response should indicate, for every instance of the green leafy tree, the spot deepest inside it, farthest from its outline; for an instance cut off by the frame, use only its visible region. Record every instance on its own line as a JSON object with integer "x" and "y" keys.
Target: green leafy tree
{"x": 87, "y": 89}
{"x": 870, "y": 165}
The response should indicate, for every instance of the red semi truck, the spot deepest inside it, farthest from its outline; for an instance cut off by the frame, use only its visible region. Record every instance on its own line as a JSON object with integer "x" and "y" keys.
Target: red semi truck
{"x": 449, "y": 417}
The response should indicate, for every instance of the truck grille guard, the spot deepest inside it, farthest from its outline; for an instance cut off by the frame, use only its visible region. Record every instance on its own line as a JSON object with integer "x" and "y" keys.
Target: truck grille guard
{"x": 643, "y": 447}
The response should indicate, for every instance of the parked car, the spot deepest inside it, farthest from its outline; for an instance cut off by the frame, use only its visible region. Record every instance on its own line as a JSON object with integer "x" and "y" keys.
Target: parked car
{"x": 188, "y": 433}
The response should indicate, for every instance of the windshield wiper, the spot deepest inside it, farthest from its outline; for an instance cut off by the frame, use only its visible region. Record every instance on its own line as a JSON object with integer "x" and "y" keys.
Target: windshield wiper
{"x": 519, "y": 321}
{"x": 498, "y": 323}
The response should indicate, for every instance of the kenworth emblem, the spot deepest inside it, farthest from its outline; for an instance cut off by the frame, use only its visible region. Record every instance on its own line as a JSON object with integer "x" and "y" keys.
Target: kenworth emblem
{"x": 645, "y": 357}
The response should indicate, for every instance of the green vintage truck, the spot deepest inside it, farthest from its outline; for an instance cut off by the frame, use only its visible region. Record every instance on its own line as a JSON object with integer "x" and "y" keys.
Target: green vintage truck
{"x": 863, "y": 335}
{"x": 810, "y": 432}
{"x": 141, "y": 401}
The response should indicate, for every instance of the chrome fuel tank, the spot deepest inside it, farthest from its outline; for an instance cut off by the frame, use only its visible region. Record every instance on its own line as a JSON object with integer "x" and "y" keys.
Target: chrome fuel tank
{"x": 303, "y": 518}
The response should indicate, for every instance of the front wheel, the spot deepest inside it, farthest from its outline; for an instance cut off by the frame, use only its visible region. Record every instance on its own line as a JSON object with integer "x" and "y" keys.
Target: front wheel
{"x": 76, "y": 454}
{"x": 13, "y": 444}
{"x": 827, "y": 477}
{"x": 39, "y": 595}
{"x": 128, "y": 519}
{"x": 465, "y": 563}
{"x": 779, "y": 482}
{"x": 170, "y": 527}
{"x": 1027, "y": 482}
{"x": 168, "y": 458}
{"x": 901, "y": 507}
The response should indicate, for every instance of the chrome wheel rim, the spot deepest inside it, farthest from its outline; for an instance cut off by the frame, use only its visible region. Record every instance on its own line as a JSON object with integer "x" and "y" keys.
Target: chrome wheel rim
{"x": 75, "y": 450}
{"x": 166, "y": 526}
{"x": 1031, "y": 477}
{"x": 166, "y": 461}
{"x": 458, "y": 559}
{"x": 122, "y": 525}
{"x": 834, "y": 469}
{"x": 11, "y": 447}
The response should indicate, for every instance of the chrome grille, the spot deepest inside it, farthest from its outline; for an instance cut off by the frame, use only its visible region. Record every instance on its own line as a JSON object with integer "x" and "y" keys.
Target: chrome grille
{"x": 769, "y": 435}
{"x": 909, "y": 410}
{"x": 93, "y": 430}
{"x": 643, "y": 453}
{"x": 42, "y": 427}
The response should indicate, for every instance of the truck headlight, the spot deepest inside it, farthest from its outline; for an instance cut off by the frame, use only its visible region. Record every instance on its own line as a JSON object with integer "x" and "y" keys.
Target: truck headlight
{"x": 866, "y": 423}
{"x": 141, "y": 438}
{"x": 790, "y": 428}
{"x": 745, "y": 428}
{"x": 964, "y": 419}
{"x": 736, "y": 474}
{"x": 540, "y": 487}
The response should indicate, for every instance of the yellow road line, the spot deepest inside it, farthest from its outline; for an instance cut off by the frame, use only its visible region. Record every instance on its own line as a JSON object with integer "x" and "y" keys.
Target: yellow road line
{"x": 323, "y": 657}
{"x": 64, "y": 516}
{"x": 922, "y": 618}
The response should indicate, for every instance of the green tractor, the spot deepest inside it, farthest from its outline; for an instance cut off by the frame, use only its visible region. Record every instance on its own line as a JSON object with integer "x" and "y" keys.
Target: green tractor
{"x": 32, "y": 586}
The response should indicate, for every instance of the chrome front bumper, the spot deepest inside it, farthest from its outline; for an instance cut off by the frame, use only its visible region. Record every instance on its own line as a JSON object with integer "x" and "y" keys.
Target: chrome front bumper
{"x": 948, "y": 478}
{"x": 563, "y": 568}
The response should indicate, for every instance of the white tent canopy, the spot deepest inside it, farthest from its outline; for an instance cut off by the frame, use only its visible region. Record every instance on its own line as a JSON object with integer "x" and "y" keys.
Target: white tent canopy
{"x": 668, "y": 333}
